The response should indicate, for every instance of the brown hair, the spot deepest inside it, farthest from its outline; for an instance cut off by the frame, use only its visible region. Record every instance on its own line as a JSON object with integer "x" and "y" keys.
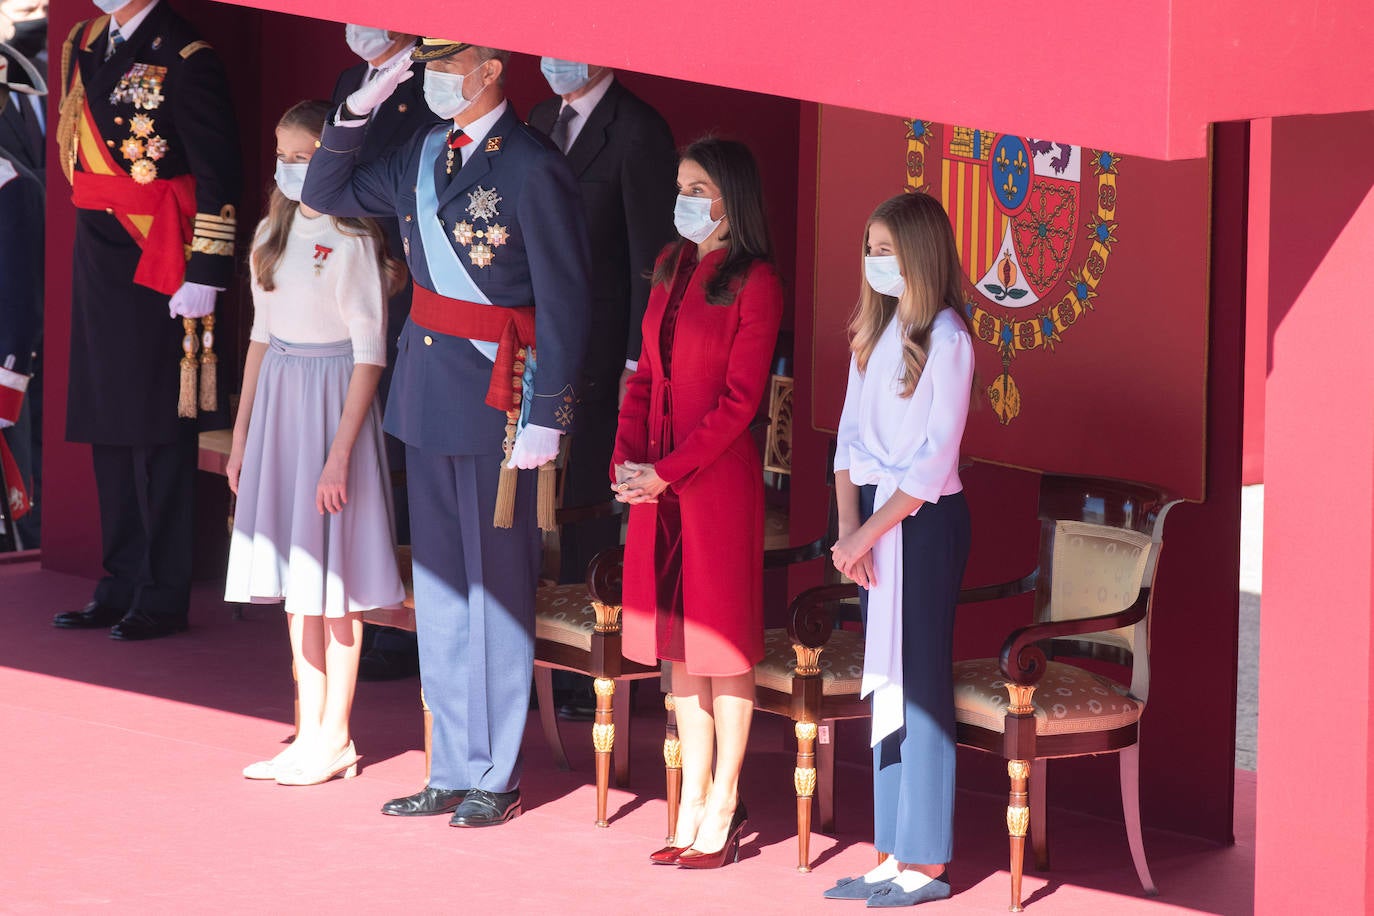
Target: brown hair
{"x": 929, "y": 262}
{"x": 310, "y": 116}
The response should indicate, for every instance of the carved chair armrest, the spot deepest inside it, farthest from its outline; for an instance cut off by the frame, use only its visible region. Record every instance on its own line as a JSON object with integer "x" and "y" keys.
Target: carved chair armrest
{"x": 1010, "y": 589}
{"x": 782, "y": 557}
{"x": 1023, "y": 660}
{"x": 605, "y": 575}
{"x": 811, "y": 616}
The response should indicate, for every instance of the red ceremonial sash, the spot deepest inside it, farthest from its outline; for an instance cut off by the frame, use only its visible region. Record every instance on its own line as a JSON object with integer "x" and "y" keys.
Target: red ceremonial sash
{"x": 170, "y": 202}
{"x": 511, "y": 329}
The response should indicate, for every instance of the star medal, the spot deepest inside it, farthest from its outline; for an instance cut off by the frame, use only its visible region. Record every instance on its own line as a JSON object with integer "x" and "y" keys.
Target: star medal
{"x": 482, "y": 206}
{"x": 456, "y": 141}
{"x": 140, "y": 125}
{"x": 322, "y": 254}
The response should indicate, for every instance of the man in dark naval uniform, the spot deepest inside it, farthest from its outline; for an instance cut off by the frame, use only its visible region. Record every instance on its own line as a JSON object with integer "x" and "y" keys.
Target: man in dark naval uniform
{"x": 494, "y": 234}
{"x": 148, "y": 139}
{"x": 388, "y": 653}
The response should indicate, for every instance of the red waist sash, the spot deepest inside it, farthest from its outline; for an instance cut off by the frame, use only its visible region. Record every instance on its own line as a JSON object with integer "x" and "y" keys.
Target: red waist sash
{"x": 171, "y": 204}
{"x": 511, "y": 329}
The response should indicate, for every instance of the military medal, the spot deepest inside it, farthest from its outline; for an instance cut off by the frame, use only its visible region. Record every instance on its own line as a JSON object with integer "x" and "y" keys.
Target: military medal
{"x": 481, "y": 243}
{"x": 322, "y": 254}
{"x": 141, "y": 86}
{"x": 456, "y": 141}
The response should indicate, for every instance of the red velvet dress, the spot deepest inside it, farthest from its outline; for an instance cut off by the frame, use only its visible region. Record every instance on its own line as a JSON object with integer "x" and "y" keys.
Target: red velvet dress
{"x": 687, "y": 410}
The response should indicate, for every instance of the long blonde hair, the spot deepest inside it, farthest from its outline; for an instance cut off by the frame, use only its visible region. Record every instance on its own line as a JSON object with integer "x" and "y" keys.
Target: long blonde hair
{"x": 923, "y": 242}
{"x": 310, "y": 116}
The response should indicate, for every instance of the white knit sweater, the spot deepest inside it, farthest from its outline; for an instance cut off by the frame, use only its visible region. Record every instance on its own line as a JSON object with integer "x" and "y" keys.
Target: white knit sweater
{"x": 328, "y": 288}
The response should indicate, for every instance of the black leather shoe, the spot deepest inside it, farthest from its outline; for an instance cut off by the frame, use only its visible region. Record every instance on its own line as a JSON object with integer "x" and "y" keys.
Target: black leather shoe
{"x": 381, "y": 665}
{"x": 137, "y": 625}
{"x": 93, "y": 616}
{"x": 426, "y": 802}
{"x": 486, "y": 809}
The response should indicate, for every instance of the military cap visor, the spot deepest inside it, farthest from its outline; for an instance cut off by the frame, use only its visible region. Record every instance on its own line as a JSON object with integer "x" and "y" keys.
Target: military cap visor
{"x": 19, "y": 74}
{"x": 437, "y": 49}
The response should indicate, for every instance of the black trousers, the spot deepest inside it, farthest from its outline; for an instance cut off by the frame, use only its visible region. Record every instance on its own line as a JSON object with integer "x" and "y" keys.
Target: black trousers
{"x": 587, "y": 481}
{"x": 147, "y": 524}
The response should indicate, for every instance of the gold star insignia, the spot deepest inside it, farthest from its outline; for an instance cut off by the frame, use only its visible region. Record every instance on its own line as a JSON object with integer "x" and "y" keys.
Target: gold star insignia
{"x": 462, "y": 233}
{"x": 140, "y": 125}
{"x": 480, "y": 255}
{"x": 132, "y": 149}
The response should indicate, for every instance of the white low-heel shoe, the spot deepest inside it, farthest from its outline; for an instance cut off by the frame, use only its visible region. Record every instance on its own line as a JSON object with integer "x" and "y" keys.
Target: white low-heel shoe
{"x": 345, "y": 765}
{"x": 268, "y": 769}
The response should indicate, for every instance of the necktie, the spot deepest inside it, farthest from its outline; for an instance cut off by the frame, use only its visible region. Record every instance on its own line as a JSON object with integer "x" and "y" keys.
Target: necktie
{"x": 456, "y": 141}
{"x": 115, "y": 41}
{"x": 559, "y": 135}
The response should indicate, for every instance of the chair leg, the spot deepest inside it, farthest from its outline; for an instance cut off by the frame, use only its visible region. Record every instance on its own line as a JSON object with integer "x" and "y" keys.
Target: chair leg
{"x": 825, "y": 774}
{"x": 429, "y": 734}
{"x": 804, "y": 780}
{"x": 603, "y": 743}
{"x": 672, "y": 764}
{"x": 620, "y": 715}
{"x": 548, "y": 716}
{"x": 1130, "y": 806}
{"x": 1039, "y": 785}
{"x": 1018, "y": 814}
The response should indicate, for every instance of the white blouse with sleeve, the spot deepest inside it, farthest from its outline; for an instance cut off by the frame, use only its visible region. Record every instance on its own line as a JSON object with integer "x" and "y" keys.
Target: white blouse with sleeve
{"x": 328, "y": 288}
{"x": 911, "y": 444}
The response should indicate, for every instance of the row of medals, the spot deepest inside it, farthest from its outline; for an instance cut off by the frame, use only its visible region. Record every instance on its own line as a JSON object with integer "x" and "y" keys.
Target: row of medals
{"x": 141, "y": 86}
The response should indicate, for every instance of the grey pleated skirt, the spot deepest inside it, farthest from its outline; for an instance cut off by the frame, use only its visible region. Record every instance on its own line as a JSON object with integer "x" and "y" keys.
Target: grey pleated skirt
{"x": 282, "y": 547}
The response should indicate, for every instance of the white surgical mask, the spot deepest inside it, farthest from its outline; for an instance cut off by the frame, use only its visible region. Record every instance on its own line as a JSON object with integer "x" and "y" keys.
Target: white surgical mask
{"x": 444, "y": 92}
{"x": 111, "y": 6}
{"x": 692, "y": 217}
{"x": 366, "y": 42}
{"x": 564, "y": 76}
{"x": 291, "y": 178}
{"x": 884, "y": 275}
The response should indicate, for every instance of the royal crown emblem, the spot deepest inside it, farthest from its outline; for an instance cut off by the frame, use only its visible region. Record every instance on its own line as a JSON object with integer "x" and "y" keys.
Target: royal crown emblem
{"x": 1031, "y": 259}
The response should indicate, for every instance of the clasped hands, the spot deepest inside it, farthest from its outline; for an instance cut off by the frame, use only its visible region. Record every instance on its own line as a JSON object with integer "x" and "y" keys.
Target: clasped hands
{"x": 852, "y": 555}
{"x": 637, "y": 483}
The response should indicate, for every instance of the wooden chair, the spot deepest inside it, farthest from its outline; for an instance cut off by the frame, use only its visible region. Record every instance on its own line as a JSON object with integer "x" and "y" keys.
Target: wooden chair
{"x": 1099, "y": 549}
{"x": 777, "y": 463}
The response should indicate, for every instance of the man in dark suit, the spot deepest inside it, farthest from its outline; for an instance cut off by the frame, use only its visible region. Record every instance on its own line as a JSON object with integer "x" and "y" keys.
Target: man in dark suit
{"x": 22, "y": 127}
{"x": 622, "y": 153}
{"x": 152, "y": 154}
{"x": 388, "y": 653}
{"x": 21, "y": 300}
{"x": 494, "y": 234}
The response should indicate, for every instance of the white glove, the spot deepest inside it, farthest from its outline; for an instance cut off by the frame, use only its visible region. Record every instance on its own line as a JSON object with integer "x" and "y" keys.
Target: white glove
{"x": 534, "y": 445}
{"x": 377, "y": 90}
{"x": 193, "y": 300}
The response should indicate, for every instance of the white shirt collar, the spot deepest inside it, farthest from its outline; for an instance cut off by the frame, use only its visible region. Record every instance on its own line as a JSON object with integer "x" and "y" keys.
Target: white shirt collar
{"x": 127, "y": 30}
{"x": 479, "y": 129}
{"x": 584, "y": 105}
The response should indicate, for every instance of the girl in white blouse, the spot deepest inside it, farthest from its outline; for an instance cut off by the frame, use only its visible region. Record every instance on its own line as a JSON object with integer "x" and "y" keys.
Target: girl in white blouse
{"x": 904, "y": 533}
{"x": 313, "y": 525}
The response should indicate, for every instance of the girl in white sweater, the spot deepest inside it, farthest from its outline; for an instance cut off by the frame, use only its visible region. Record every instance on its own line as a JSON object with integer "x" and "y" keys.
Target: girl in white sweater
{"x": 313, "y": 525}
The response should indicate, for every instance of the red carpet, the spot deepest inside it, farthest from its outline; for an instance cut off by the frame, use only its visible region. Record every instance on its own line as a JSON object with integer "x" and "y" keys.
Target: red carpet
{"x": 120, "y": 772}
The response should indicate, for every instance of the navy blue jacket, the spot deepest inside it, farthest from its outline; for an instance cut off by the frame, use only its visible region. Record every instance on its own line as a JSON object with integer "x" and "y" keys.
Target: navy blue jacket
{"x": 437, "y": 398}
{"x": 21, "y": 263}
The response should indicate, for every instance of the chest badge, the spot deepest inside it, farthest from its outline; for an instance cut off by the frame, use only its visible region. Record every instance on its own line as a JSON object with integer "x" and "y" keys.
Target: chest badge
{"x": 322, "y": 253}
{"x": 482, "y": 240}
{"x": 141, "y": 86}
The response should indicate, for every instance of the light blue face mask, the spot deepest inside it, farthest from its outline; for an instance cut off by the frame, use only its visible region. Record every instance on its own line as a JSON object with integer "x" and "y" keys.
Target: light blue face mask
{"x": 692, "y": 218}
{"x": 564, "y": 76}
{"x": 884, "y": 275}
{"x": 444, "y": 92}
{"x": 290, "y": 178}
{"x": 366, "y": 42}
{"x": 111, "y": 6}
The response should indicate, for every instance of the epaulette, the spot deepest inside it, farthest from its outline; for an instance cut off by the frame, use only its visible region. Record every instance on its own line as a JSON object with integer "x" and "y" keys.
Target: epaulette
{"x": 192, "y": 48}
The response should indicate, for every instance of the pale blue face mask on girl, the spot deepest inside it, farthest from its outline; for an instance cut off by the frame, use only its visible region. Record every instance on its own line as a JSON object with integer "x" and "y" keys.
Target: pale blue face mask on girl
{"x": 884, "y": 274}
{"x": 564, "y": 76}
{"x": 290, "y": 178}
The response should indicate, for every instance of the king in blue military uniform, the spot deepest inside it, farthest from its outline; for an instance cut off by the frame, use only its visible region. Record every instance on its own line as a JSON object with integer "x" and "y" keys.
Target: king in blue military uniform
{"x": 494, "y": 233}
{"x": 148, "y": 139}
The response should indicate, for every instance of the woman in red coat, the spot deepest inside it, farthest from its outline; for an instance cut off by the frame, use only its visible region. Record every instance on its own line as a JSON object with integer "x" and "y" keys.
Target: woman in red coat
{"x": 686, "y": 462}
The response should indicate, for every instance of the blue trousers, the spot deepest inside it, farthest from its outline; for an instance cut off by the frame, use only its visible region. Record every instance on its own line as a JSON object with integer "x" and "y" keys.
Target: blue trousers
{"x": 474, "y": 615}
{"x": 913, "y": 768}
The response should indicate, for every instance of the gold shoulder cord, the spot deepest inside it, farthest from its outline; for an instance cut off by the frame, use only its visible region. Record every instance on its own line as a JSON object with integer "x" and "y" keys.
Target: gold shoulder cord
{"x": 69, "y": 110}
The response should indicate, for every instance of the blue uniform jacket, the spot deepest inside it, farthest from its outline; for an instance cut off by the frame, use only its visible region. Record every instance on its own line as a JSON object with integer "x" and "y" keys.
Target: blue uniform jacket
{"x": 438, "y": 391}
{"x": 21, "y": 263}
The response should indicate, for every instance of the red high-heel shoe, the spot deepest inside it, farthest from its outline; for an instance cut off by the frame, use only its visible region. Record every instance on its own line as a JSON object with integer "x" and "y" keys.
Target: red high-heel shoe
{"x": 667, "y": 855}
{"x": 693, "y": 858}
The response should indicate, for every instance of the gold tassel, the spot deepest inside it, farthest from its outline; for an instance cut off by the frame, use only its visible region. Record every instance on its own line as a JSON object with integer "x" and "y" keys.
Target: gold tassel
{"x": 505, "y": 484}
{"x": 545, "y": 508}
{"x": 209, "y": 384}
{"x": 186, "y": 400}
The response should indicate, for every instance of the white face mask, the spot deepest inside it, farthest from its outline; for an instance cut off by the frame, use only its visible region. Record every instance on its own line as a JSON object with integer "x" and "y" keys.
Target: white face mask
{"x": 884, "y": 275}
{"x": 564, "y": 76}
{"x": 111, "y": 6}
{"x": 291, "y": 178}
{"x": 444, "y": 92}
{"x": 692, "y": 217}
{"x": 366, "y": 42}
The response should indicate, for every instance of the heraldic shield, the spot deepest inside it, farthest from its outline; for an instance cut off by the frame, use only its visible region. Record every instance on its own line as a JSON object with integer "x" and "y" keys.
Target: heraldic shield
{"x": 1032, "y": 262}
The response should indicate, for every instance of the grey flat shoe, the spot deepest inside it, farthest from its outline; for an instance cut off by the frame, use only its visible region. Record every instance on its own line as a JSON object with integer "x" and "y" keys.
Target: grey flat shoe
{"x": 853, "y": 889}
{"x": 893, "y": 895}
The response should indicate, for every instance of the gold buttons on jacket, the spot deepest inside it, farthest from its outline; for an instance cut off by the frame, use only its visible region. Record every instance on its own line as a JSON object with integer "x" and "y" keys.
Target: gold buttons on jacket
{"x": 407, "y": 217}
{"x": 109, "y": 143}
{"x": 119, "y": 120}
{"x": 429, "y": 341}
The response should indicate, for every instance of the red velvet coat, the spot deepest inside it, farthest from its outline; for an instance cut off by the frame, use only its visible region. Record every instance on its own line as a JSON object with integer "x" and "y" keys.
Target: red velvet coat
{"x": 720, "y": 365}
